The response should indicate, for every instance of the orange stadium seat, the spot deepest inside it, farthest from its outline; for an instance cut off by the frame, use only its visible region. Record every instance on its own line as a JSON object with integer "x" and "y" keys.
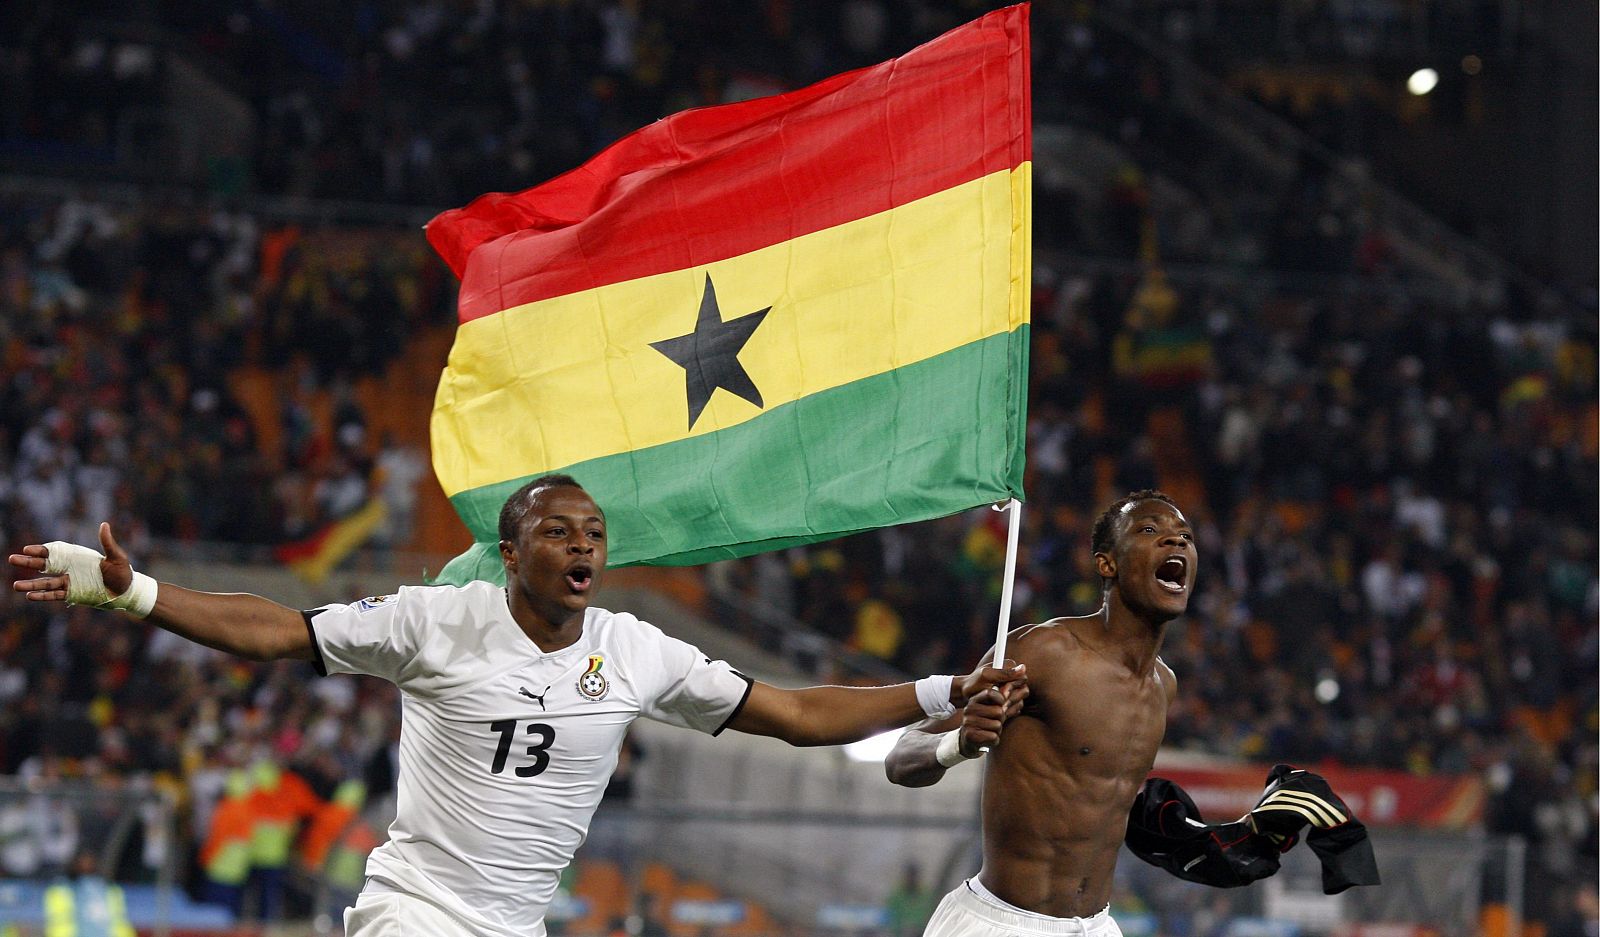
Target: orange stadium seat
{"x": 757, "y": 920}
{"x": 603, "y": 885}
{"x": 659, "y": 880}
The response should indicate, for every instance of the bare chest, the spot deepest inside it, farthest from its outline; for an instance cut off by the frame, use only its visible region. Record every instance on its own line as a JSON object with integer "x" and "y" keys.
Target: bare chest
{"x": 1106, "y": 726}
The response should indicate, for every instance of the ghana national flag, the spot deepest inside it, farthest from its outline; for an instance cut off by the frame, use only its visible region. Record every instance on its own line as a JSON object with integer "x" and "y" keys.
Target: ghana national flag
{"x": 760, "y": 324}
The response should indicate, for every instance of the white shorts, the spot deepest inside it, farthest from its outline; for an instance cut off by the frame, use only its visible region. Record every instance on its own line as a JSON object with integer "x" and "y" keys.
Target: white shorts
{"x": 971, "y": 911}
{"x": 396, "y": 914}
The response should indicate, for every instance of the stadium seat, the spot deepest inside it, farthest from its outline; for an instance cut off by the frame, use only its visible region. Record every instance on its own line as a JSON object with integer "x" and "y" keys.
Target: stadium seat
{"x": 601, "y": 884}
{"x": 659, "y": 880}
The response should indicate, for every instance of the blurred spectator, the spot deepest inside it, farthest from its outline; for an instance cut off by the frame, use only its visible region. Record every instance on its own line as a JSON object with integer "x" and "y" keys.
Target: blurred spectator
{"x": 910, "y": 904}
{"x": 121, "y": 333}
{"x": 86, "y": 903}
{"x": 398, "y": 470}
{"x": 280, "y": 802}
{"x": 226, "y": 855}
{"x": 336, "y": 840}
{"x": 877, "y": 630}
{"x": 620, "y": 789}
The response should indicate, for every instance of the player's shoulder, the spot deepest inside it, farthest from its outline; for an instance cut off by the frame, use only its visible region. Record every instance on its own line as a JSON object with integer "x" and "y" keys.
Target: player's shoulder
{"x": 475, "y": 592}
{"x": 1053, "y": 650}
{"x": 618, "y": 627}
{"x": 1167, "y": 676}
{"x": 470, "y": 594}
{"x": 1044, "y": 638}
{"x": 474, "y": 600}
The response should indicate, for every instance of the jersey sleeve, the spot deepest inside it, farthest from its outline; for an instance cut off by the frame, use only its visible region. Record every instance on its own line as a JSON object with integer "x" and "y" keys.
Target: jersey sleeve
{"x": 691, "y": 690}
{"x": 376, "y": 636}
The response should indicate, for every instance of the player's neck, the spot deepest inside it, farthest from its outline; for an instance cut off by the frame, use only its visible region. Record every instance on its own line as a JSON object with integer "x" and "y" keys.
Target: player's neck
{"x": 1123, "y": 634}
{"x": 550, "y": 629}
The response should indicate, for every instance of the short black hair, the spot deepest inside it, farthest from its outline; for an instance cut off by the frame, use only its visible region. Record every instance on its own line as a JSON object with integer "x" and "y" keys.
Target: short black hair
{"x": 1104, "y": 537}
{"x": 516, "y": 506}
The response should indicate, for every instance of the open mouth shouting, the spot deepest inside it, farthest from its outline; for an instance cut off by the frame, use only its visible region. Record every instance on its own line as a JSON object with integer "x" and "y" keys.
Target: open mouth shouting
{"x": 580, "y": 576}
{"x": 1173, "y": 574}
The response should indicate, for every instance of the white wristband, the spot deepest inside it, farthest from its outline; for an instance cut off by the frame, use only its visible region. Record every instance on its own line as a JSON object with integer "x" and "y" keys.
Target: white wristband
{"x": 949, "y": 753}
{"x": 933, "y": 693}
{"x": 140, "y": 598}
{"x": 85, "y": 586}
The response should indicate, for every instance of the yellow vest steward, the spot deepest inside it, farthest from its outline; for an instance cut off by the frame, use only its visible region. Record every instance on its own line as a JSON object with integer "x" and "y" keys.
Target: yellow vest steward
{"x": 88, "y": 908}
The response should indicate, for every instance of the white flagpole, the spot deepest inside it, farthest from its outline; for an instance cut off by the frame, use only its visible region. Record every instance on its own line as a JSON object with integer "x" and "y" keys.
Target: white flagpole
{"x": 1013, "y": 530}
{"x": 1014, "y": 508}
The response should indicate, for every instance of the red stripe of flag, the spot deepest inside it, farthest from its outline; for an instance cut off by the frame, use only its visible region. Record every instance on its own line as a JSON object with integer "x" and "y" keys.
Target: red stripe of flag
{"x": 712, "y": 183}
{"x": 306, "y": 547}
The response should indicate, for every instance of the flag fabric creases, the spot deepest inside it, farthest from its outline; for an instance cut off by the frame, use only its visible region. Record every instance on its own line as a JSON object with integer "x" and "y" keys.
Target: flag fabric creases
{"x": 759, "y": 324}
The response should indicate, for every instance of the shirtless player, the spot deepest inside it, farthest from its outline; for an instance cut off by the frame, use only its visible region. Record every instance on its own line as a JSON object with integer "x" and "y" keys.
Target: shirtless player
{"x": 1079, "y": 740}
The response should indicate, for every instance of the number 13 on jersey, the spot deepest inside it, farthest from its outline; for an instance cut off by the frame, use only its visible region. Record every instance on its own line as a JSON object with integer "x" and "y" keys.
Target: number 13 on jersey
{"x": 539, "y": 751}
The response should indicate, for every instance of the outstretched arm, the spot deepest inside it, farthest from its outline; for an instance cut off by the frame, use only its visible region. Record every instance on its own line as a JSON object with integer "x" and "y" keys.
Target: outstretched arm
{"x": 926, "y": 751}
{"x": 834, "y": 715}
{"x": 238, "y": 623}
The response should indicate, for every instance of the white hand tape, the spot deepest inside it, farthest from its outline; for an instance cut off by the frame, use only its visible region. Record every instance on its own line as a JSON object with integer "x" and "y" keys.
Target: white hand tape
{"x": 949, "y": 753}
{"x": 85, "y": 585}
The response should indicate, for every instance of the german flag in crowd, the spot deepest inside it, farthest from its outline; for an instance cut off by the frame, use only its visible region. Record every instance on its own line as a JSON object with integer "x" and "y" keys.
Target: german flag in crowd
{"x": 316, "y": 556}
{"x": 760, "y": 324}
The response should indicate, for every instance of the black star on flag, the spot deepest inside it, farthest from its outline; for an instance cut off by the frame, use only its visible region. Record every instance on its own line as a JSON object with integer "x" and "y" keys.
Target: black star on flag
{"x": 709, "y": 355}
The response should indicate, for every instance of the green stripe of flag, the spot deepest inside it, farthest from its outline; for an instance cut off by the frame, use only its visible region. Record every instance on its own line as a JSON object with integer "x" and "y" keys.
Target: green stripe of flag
{"x": 831, "y": 463}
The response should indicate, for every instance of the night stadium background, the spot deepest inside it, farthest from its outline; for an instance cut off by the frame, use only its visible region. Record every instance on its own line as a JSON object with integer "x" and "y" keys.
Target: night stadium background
{"x": 1324, "y": 271}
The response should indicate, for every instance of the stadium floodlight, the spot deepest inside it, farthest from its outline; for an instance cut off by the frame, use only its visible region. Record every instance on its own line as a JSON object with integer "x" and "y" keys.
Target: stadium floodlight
{"x": 876, "y": 748}
{"x": 1422, "y": 81}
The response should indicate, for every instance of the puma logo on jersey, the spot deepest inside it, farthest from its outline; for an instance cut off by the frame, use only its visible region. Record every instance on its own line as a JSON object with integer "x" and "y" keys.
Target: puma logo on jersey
{"x": 536, "y": 697}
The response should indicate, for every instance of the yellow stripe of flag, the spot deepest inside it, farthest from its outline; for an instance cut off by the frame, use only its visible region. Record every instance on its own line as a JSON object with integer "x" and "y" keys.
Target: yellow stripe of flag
{"x": 561, "y": 381}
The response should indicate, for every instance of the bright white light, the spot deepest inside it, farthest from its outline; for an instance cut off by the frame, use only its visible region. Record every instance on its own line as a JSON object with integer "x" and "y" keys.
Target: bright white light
{"x": 876, "y": 748}
{"x": 1422, "y": 81}
{"x": 1327, "y": 690}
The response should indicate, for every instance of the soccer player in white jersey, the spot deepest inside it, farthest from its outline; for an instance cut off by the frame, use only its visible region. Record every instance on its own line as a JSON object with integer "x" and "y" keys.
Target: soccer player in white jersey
{"x": 515, "y": 702}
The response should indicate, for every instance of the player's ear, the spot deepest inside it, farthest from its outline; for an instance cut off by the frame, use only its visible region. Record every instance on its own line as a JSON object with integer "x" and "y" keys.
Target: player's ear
{"x": 1105, "y": 565}
{"x": 508, "y": 554}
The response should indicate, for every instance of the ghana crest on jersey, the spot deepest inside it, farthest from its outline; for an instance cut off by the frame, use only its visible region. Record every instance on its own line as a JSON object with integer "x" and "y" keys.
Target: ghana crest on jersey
{"x": 592, "y": 684}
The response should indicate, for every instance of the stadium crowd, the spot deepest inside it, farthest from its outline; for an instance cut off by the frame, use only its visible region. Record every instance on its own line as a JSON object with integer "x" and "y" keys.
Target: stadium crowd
{"x": 122, "y": 325}
{"x": 119, "y": 329}
{"x": 1394, "y": 486}
{"x": 432, "y": 103}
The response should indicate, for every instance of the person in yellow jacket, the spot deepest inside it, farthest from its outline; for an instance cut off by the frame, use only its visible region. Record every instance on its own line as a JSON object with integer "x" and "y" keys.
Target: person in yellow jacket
{"x": 225, "y": 856}
{"x": 329, "y": 822}
{"x": 336, "y": 844}
{"x": 279, "y": 802}
{"x": 86, "y": 906}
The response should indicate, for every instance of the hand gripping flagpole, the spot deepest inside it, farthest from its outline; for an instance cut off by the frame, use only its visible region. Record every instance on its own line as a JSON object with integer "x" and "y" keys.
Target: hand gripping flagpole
{"x": 1013, "y": 530}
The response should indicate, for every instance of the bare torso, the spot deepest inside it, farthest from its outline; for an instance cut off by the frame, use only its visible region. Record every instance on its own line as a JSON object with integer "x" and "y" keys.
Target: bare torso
{"x": 1059, "y": 786}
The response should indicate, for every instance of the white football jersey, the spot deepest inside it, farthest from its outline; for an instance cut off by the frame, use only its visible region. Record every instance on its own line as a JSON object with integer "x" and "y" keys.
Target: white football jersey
{"x": 505, "y": 750}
